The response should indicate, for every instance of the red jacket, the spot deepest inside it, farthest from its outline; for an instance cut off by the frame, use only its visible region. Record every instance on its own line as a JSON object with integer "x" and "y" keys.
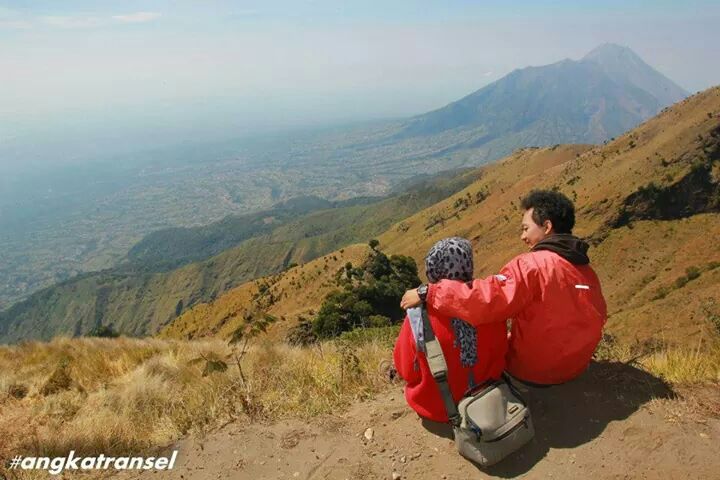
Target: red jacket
{"x": 421, "y": 391}
{"x": 557, "y": 308}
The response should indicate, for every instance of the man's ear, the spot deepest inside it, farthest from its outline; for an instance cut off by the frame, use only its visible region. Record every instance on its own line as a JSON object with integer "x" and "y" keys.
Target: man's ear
{"x": 547, "y": 227}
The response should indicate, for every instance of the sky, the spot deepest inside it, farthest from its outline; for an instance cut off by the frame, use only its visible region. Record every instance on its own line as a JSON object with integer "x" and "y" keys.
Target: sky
{"x": 81, "y": 74}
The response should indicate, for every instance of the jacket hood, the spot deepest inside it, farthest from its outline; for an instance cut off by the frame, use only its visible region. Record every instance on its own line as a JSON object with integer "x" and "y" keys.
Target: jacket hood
{"x": 568, "y": 246}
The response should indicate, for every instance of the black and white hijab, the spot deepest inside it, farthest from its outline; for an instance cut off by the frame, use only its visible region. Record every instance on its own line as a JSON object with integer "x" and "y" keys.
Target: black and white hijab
{"x": 450, "y": 258}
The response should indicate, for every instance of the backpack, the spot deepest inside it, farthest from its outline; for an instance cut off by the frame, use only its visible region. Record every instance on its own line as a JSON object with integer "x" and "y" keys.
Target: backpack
{"x": 491, "y": 421}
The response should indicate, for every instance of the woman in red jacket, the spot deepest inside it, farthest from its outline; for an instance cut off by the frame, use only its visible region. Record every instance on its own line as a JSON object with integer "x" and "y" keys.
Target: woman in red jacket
{"x": 474, "y": 354}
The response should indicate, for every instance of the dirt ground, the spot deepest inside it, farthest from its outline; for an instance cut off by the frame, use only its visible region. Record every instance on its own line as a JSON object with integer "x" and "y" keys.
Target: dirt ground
{"x": 613, "y": 422}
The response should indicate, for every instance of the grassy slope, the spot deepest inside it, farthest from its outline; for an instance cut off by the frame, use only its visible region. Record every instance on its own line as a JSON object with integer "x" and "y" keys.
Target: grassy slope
{"x": 141, "y": 303}
{"x": 633, "y": 261}
{"x": 295, "y": 292}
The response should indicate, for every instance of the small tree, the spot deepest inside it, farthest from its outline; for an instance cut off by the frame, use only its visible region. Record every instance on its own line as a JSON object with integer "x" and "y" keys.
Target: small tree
{"x": 106, "y": 331}
{"x": 370, "y": 295}
{"x": 302, "y": 334}
{"x": 253, "y": 325}
{"x": 374, "y": 244}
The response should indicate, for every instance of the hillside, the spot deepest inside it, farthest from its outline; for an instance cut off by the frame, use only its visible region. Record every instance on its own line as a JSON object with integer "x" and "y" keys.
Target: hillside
{"x": 648, "y": 201}
{"x": 170, "y": 248}
{"x": 140, "y": 301}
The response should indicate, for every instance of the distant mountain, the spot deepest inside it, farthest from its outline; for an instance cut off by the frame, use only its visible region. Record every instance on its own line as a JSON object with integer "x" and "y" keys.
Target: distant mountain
{"x": 608, "y": 92}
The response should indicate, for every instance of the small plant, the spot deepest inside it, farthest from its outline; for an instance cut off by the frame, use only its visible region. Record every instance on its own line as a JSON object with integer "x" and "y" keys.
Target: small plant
{"x": 481, "y": 195}
{"x": 712, "y": 313}
{"x": 647, "y": 279}
{"x": 573, "y": 180}
{"x": 434, "y": 220}
{"x": 692, "y": 273}
{"x": 661, "y": 293}
{"x": 251, "y": 328}
{"x": 680, "y": 282}
{"x": 105, "y": 331}
{"x": 462, "y": 203}
{"x": 18, "y": 390}
{"x": 349, "y": 362}
{"x": 59, "y": 381}
{"x": 302, "y": 334}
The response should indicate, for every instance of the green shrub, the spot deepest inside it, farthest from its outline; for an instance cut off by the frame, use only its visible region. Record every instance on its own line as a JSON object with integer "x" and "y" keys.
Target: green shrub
{"x": 712, "y": 313}
{"x": 680, "y": 282}
{"x": 370, "y": 295}
{"x": 692, "y": 273}
{"x": 302, "y": 334}
{"x": 661, "y": 293}
{"x": 106, "y": 331}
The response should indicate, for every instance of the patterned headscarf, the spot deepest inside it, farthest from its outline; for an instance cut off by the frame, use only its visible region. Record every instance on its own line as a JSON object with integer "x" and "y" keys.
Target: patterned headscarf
{"x": 450, "y": 258}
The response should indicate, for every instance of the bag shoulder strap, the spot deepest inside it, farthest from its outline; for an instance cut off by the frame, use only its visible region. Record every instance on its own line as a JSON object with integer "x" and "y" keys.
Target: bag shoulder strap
{"x": 438, "y": 367}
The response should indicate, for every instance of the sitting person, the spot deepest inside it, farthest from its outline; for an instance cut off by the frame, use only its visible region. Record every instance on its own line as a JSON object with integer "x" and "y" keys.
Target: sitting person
{"x": 551, "y": 293}
{"x": 474, "y": 355}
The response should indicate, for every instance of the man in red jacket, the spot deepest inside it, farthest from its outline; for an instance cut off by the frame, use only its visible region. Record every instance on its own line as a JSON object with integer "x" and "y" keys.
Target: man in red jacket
{"x": 551, "y": 294}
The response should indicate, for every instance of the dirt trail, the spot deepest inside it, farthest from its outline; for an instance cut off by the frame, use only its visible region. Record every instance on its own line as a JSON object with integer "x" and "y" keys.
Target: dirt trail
{"x": 613, "y": 422}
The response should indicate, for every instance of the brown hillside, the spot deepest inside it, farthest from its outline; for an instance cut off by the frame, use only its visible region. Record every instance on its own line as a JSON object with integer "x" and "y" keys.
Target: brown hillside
{"x": 287, "y": 295}
{"x": 648, "y": 201}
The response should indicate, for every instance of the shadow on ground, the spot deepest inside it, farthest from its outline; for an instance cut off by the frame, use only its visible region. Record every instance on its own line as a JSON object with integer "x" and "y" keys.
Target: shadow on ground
{"x": 569, "y": 415}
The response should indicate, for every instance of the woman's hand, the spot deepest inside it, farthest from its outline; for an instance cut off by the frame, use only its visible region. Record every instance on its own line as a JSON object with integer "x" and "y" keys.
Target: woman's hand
{"x": 410, "y": 299}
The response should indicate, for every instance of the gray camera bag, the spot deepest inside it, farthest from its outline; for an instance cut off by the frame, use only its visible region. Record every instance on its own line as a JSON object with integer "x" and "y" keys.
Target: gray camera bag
{"x": 489, "y": 423}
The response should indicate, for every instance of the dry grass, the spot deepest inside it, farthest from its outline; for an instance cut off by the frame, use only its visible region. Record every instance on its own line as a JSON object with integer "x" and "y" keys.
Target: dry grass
{"x": 132, "y": 396}
{"x": 124, "y": 396}
{"x": 685, "y": 367}
{"x": 293, "y": 381}
{"x": 679, "y": 366}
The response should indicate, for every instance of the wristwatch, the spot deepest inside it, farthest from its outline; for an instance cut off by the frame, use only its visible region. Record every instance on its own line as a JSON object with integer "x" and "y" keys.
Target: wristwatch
{"x": 422, "y": 292}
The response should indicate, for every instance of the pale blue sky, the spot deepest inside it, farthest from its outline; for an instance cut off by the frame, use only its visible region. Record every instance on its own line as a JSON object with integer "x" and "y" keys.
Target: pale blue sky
{"x": 211, "y": 68}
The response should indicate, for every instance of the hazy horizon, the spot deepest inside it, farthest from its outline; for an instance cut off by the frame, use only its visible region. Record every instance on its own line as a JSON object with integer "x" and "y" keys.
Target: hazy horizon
{"x": 83, "y": 80}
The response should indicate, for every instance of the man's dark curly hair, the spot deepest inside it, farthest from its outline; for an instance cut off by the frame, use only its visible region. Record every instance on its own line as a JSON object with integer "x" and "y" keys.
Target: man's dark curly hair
{"x": 553, "y": 206}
